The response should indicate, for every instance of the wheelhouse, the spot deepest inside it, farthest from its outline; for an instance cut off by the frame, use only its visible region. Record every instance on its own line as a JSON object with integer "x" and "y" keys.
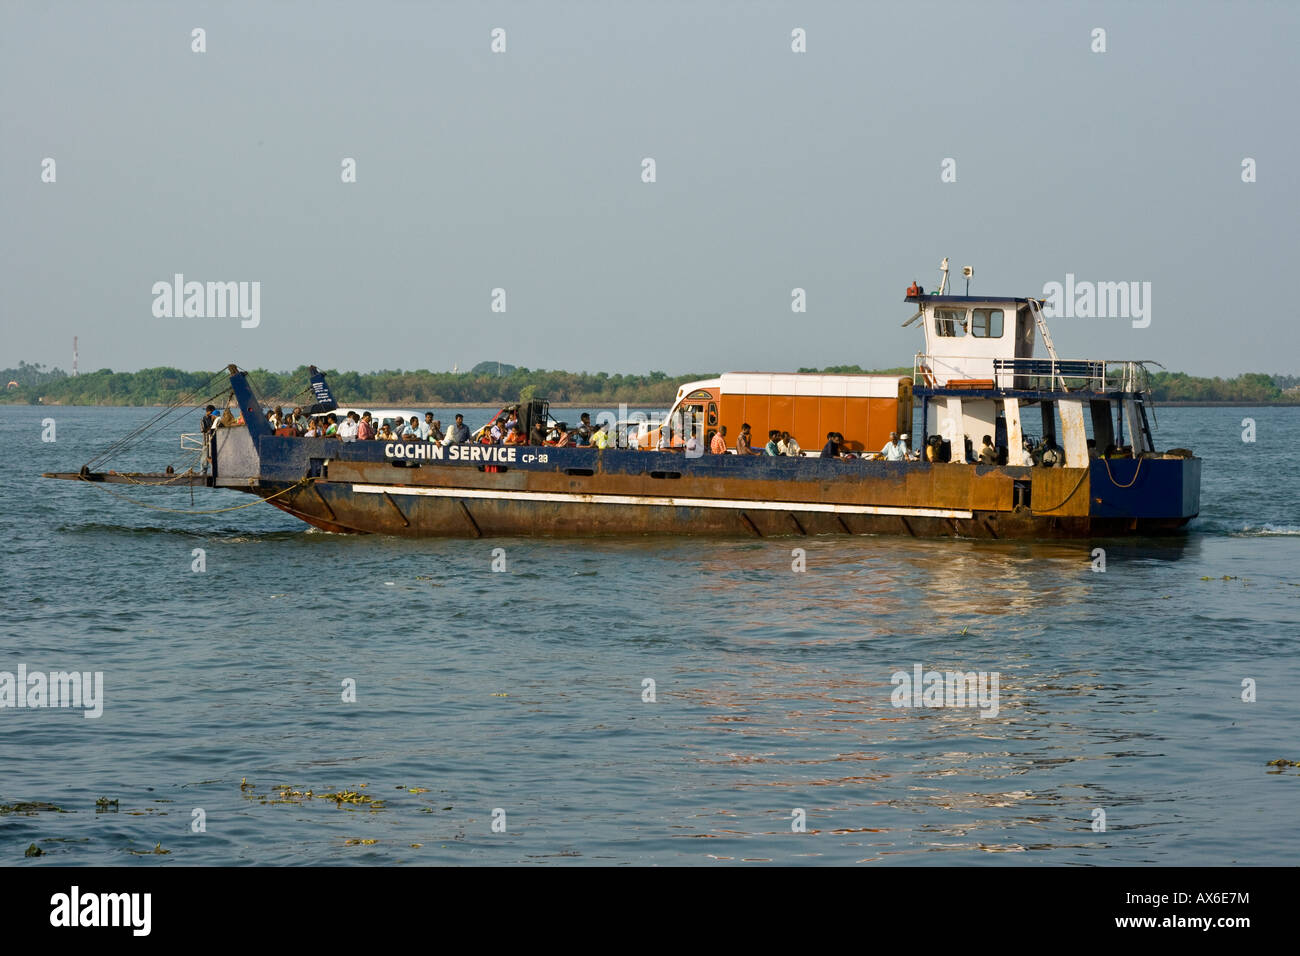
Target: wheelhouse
{"x": 978, "y": 375}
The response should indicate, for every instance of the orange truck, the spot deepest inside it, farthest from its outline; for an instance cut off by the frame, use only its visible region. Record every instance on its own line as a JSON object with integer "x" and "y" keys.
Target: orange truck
{"x": 863, "y": 408}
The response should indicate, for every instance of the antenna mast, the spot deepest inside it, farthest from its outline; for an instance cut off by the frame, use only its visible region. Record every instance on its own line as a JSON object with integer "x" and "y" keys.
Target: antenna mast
{"x": 74, "y": 356}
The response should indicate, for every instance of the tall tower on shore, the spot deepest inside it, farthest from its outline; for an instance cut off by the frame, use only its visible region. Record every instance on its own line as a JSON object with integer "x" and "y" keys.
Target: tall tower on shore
{"x": 74, "y": 356}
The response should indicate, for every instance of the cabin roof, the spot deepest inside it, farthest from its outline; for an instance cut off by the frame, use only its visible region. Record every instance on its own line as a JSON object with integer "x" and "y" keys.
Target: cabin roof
{"x": 966, "y": 298}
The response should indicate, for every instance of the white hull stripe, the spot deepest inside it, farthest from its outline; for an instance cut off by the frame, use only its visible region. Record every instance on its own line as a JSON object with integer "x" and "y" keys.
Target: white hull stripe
{"x": 662, "y": 501}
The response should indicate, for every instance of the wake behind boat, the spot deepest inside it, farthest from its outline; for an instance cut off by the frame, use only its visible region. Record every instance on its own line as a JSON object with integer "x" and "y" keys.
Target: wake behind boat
{"x": 979, "y": 472}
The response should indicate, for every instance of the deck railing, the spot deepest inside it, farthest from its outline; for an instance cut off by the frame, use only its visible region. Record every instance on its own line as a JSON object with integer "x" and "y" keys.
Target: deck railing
{"x": 1040, "y": 374}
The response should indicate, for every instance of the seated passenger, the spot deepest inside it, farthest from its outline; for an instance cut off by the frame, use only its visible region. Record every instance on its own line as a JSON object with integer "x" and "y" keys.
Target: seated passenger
{"x": 832, "y": 447}
{"x": 988, "y": 454}
{"x": 562, "y": 439}
{"x": 718, "y": 443}
{"x": 600, "y": 437}
{"x": 789, "y": 446}
{"x": 771, "y": 449}
{"x": 583, "y": 433}
{"x": 538, "y": 435}
{"x": 386, "y": 433}
{"x": 514, "y": 435}
{"x": 894, "y": 450}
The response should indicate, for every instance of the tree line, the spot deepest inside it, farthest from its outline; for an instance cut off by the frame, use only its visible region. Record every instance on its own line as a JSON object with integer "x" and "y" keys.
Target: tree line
{"x": 491, "y": 382}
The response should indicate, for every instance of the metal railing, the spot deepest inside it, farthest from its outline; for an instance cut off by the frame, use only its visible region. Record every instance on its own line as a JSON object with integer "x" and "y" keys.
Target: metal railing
{"x": 1042, "y": 374}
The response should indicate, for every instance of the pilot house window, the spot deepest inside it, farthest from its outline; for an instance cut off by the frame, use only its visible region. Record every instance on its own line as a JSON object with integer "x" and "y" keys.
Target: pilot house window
{"x": 987, "y": 324}
{"x": 949, "y": 323}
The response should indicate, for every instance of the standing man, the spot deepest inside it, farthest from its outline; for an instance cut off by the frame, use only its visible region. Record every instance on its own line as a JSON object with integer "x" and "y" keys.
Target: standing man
{"x": 718, "y": 444}
{"x": 365, "y": 428}
{"x": 742, "y": 442}
{"x": 348, "y": 427}
{"x": 458, "y": 433}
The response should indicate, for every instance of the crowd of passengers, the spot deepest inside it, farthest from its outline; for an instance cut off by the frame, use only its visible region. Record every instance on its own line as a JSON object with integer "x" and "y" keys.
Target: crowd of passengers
{"x": 507, "y": 430}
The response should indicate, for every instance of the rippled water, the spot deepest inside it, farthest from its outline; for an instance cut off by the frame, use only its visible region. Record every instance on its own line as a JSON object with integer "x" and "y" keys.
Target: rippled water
{"x": 522, "y": 690}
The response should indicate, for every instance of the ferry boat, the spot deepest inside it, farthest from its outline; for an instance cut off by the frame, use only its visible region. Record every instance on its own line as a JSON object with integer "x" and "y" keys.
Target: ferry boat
{"x": 977, "y": 376}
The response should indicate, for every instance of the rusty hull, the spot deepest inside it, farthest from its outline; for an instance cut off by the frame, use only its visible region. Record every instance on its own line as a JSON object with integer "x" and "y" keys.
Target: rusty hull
{"x": 331, "y": 503}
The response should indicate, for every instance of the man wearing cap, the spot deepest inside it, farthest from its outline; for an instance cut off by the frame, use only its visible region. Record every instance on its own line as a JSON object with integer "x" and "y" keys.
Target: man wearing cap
{"x": 894, "y": 450}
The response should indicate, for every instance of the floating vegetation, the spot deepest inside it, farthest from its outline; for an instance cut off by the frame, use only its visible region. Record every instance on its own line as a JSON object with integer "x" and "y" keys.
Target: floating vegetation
{"x": 360, "y": 842}
{"x": 29, "y": 807}
{"x": 103, "y": 803}
{"x": 1283, "y": 763}
{"x": 284, "y": 793}
{"x": 33, "y": 850}
{"x": 156, "y": 851}
{"x": 355, "y": 798}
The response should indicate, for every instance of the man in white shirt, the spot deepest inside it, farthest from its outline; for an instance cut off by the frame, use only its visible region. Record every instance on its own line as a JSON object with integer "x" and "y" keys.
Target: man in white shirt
{"x": 348, "y": 428}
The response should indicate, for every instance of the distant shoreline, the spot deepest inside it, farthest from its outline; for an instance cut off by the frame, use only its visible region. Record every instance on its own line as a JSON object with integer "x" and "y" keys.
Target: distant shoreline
{"x": 1225, "y": 404}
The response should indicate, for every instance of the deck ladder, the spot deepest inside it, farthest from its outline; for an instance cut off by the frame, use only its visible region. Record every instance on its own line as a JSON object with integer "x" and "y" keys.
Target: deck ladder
{"x": 1047, "y": 341}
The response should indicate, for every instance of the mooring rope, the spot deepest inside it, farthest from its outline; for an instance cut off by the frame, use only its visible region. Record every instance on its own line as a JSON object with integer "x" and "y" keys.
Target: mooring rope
{"x": 184, "y": 403}
{"x": 1136, "y": 471}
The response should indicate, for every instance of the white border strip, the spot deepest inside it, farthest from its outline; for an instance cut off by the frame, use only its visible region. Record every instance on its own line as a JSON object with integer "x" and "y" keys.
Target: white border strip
{"x": 579, "y": 498}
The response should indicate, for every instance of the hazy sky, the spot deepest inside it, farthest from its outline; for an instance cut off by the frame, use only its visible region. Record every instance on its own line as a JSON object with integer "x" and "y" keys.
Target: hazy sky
{"x": 522, "y": 170}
